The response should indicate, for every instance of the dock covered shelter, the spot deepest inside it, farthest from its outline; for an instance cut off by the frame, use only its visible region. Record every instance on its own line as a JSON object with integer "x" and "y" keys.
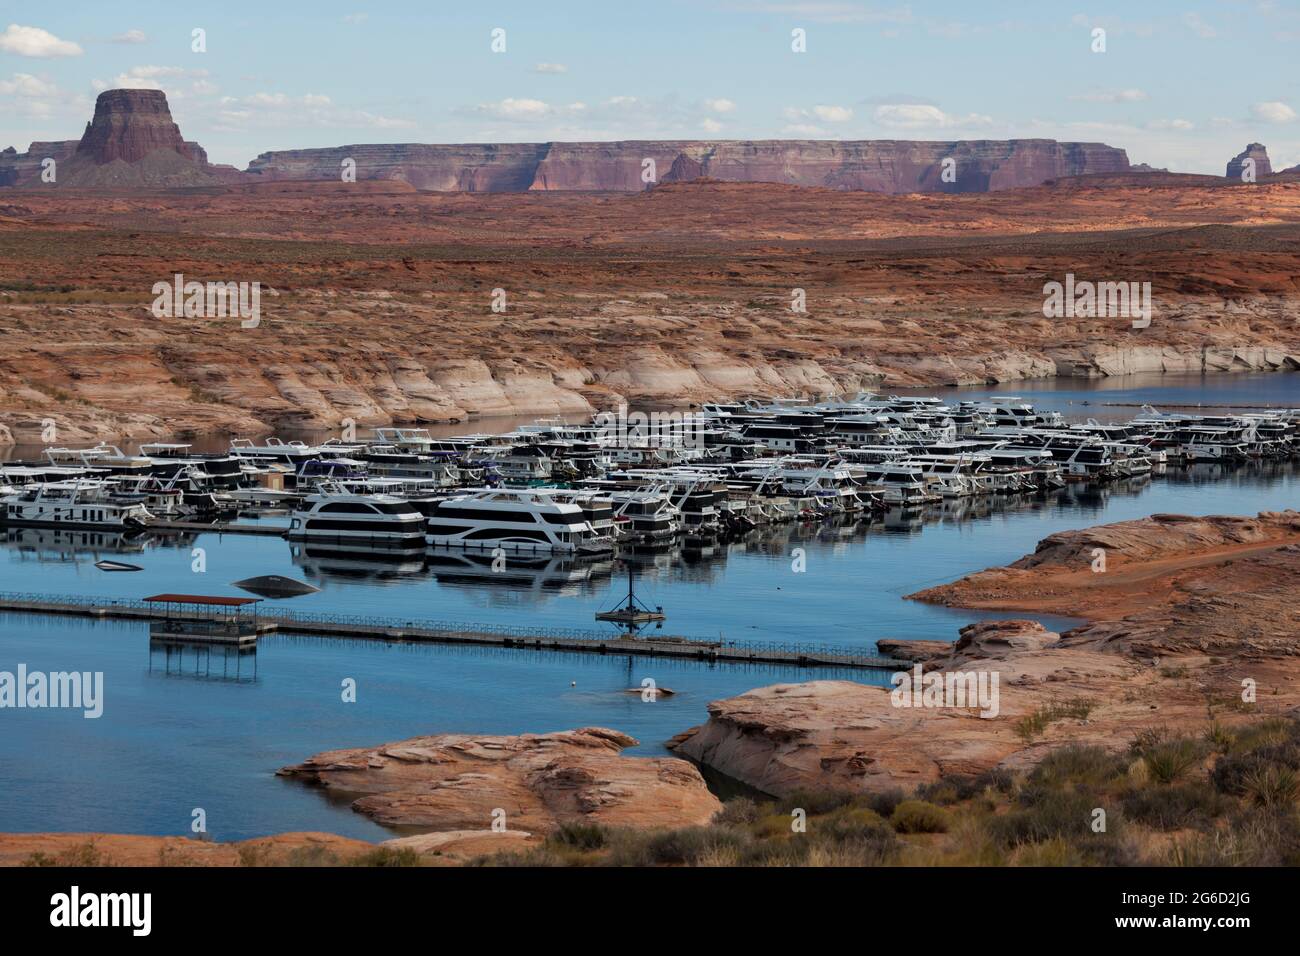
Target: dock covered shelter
{"x": 200, "y": 617}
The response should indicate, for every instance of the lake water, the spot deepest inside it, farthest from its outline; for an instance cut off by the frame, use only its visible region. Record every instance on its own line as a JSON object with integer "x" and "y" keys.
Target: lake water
{"x": 189, "y": 729}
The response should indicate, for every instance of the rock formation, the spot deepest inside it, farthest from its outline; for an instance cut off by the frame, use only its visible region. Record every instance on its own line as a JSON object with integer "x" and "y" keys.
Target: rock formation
{"x": 1256, "y": 152}
{"x": 1186, "y": 610}
{"x": 456, "y": 782}
{"x": 25, "y": 168}
{"x": 891, "y": 166}
{"x": 130, "y": 142}
{"x": 128, "y": 125}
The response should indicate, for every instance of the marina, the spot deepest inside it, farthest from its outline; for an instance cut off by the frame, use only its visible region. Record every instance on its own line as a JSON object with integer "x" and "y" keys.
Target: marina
{"x": 194, "y": 717}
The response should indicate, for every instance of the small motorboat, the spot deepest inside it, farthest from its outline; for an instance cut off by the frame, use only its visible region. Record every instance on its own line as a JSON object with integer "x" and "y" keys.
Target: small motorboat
{"x": 117, "y": 566}
{"x": 275, "y": 586}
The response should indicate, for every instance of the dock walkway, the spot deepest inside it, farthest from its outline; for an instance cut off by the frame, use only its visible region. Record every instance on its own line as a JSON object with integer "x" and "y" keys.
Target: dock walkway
{"x": 457, "y": 632}
{"x": 217, "y": 527}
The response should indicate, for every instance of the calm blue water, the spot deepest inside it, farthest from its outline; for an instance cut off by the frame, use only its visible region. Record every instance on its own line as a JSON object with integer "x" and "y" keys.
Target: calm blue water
{"x": 190, "y": 731}
{"x": 1121, "y": 396}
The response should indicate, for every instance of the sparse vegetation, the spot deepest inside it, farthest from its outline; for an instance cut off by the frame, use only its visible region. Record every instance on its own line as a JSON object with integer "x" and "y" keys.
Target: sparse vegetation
{"x": 1155, "y": 803}
{"x": 1031, "y": 727}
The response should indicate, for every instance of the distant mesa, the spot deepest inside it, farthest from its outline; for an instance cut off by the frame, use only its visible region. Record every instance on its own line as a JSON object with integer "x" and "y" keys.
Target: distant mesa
{"x": 888, "y": 166}
{"x": 132, "y": 141}
{"x": 1255, "y": 151}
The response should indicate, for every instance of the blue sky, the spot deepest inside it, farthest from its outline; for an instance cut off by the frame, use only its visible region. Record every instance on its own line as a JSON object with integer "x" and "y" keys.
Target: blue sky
{"x": 1181, "y": 84}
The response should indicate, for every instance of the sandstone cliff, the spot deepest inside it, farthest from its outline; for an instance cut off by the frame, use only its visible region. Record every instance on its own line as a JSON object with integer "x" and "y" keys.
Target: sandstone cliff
{"x": 680, "y": 294}
{"x": 890, "y": 166}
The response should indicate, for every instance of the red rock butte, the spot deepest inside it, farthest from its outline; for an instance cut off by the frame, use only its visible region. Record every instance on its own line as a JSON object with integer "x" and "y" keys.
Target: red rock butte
{"x": 129, "y": 125}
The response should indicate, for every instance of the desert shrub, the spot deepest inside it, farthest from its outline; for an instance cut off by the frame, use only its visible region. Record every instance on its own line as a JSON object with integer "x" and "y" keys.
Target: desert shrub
{"x": 1232, "y": 770}
{"x": 1167, "y": 760}
{"x": 1078, "y": 765}
{"x": 580, "y": 836}
{"x": 960, "y": 787}
{"x": 1274, "y": 787}
{"x": 687, "y": 845}
{"x": 1253, "y": 837}
{"x": 772, "y": 825}
{"x": 1046, "y": 814}
{"x": 1054, "y": 852}
{"x": 1173, "y": 807}
{"x": 917, "y": 816}
{"x": 311, "y": 856}
{"x": 737, "y": 811}
{"x": 815, "y": 802}
{"x": 253, "y": 854}
{"x": 538, "y": 856}
{"x": 1265, "y": 733}
{"x": 1031, "y": 727}
{"x": 385, "y": 856}
{"x": 775, "y": 853}
{"x": 82, "y": 854}
{"x": 847, "y": 823}
{"x": 1219, "y": 737}
{"x": 882, "y": 802}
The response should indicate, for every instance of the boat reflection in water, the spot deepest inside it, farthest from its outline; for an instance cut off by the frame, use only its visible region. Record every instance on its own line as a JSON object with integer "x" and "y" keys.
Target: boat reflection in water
{"x": 536, "y": 574}
{"x": 340, "y": 562}
{"x": 58, "y": 545}
{"x": 172, "y": 657}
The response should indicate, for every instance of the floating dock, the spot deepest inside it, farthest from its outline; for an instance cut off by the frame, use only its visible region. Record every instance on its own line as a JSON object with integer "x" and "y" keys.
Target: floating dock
{"x": 217, "y": 527}
{"x": 454, "y": 632}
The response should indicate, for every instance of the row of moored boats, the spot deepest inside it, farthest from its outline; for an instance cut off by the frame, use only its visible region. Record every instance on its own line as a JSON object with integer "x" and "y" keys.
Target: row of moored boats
{"x": 561, "y": 488}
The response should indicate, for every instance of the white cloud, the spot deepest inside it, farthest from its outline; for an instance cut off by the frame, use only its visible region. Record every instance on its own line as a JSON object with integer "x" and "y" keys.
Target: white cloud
{"x": 33, "y": 41}
{"x": 1174, "y": 124}
{"x": 1273, "y": 112}
{"x": 131, "y": 36}
{"x": 923, "y": 116}
{"x": 24, "y": 84}
{"x": 720, "y": 105}
{"x": 825, "y": 114}
{"x": 517, "y": 108}
{"x": 356, "y": 18}
{"x": 170, "y": 79}
{"x": 36, "y": 97}
{"x": 833, "y": 114}
{"x": 710, "y": 125}
{"x": 1113, "y": 96}
{"x": 550, "y": 68}
{"x": 279, "y": 110}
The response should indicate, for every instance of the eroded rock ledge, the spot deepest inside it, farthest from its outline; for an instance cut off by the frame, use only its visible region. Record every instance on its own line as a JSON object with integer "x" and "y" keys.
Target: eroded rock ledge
{"x": 1188, "y": 609}
{"x": 456, "y": 782}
